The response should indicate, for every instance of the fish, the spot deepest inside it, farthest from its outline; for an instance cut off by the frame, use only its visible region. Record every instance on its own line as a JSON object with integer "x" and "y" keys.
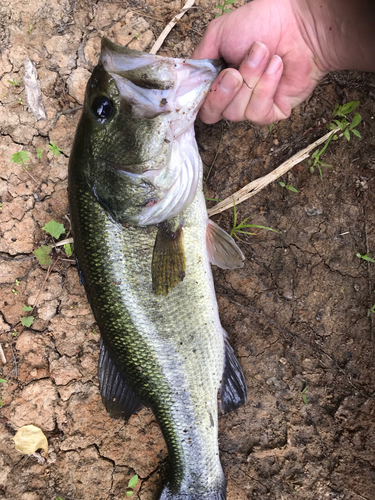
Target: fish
{"x": 144, "y": 248}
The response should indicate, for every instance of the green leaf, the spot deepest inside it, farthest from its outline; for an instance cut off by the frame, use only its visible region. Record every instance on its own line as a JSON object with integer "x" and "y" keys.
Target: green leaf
{"x": 304, "y": 399}
{"x": 365, "y": 257}
{"x": 133, "y": 481}
{"x": 42, "y": 254}
{"x": 282, "y": 184}
{"x": 129, "y": 493}
{"x": 271, "y": 127}
{"x": 21, "y": 158}
{"x": 68, "y": 249}
{"x": 226, "y": 11}
{"x": 27, "y": 321}
{"x": 336, "y": 110}
{"x": 291, "y": 188}
{"x": 54, "y": 228}
{"x": 229, "y": 2}
{"x": 343, "y": 124}
{"x": 355, "y": 132}
{"x": 349, "y": 107}
{"x": 335, "y": 137}
{"x": 39, "y": 153}
{"x": 3, "y": 381}
{"x": 1, "y": 403}
{"x": 347, "y": 134}
{"x": 219, "y": 6}
{"x": 356, "y": 121}
{"x": 54, "y": 149}
{"x": 27, "y": 308}
{"x": 311, "y": 170}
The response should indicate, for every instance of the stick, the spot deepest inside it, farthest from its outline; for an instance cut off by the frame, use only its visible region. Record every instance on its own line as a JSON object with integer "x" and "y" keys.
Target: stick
{"x": 254, "y": 187}
{"x": 2, "y": 356}
{"x": 170, "y": 26}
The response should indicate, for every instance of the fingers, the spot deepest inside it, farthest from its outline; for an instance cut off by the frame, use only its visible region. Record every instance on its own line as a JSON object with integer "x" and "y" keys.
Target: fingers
{"x": 261, "y": 108}
{"x": 220, "y": 95}
{"x": 249, "y": 93}
{"x": 251, "y": 69}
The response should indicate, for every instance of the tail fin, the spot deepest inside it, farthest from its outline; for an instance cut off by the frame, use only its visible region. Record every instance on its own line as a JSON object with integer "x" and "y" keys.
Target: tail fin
{"x": 218, "y": 494}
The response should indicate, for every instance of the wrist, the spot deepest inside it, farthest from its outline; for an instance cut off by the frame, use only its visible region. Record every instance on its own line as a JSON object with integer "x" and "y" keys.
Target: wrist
{"x": 340, "y": 33}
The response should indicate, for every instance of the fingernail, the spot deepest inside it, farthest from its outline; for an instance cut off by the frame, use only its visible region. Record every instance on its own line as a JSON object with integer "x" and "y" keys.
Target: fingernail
{"x": 256, "y": 54}
{"x": 274, "y": 65}
{"x": 229, "y": 82}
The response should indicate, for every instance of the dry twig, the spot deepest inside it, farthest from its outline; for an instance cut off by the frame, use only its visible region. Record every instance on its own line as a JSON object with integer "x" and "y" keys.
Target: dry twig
{"x": 159, "y": 42}
{"x": 254, "y": 187}
{"x": 2, "y": 356}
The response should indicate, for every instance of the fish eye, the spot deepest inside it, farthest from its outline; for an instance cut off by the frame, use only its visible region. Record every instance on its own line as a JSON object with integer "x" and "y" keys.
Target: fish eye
{"x": 102, "y": 107}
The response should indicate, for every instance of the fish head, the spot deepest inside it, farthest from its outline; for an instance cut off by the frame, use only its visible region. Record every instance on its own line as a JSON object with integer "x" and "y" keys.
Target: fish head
{"x": 138, "y": 108}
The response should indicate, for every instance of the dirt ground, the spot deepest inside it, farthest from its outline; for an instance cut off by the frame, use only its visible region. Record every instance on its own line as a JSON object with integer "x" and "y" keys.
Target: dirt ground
{"x": 296, "y": 314}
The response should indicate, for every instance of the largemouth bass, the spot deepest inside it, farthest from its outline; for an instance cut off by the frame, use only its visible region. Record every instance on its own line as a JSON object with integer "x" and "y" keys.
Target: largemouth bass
{"x": 144, "y": 245}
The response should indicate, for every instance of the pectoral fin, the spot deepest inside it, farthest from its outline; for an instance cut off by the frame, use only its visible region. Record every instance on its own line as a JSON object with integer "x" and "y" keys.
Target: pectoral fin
{"x": 222, "y": 250}
{"x": 233, "y": 390}
{"x": 119, "y": 400}
{"x": 168, "y": 260}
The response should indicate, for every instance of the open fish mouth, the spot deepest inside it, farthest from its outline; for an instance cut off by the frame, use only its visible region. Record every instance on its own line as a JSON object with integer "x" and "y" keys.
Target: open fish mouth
{"x": 156, "y": 84}
{"x": 171, "y": 89}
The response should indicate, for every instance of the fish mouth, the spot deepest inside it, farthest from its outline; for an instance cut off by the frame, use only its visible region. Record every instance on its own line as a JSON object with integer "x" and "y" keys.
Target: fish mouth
{"x": 157, "y": 85}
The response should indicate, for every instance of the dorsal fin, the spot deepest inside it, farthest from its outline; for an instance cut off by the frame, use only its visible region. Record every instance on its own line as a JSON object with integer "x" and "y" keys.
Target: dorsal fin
{"x": 222, "y": 249}
{"x": 233, "y": 390}
{"x": 119, "y": 400}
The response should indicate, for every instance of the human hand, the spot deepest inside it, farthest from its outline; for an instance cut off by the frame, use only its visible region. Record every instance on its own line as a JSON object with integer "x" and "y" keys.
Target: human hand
{"x": 277, "y": 65}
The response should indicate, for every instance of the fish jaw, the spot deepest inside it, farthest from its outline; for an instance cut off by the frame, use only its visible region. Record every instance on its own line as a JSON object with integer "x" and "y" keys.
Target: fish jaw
{"x": 173, "y": 88}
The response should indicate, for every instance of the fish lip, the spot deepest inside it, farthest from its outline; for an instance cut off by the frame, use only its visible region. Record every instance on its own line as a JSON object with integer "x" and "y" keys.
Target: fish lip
{"x": 110, "y": 49}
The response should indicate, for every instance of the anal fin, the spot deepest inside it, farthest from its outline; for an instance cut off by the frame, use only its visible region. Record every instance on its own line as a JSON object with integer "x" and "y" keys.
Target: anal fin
{"x": 233, "y": 390}
{"x": 120, "y": 401}
{"x": 168, "y": 259}
{"x": 222, "y": 249}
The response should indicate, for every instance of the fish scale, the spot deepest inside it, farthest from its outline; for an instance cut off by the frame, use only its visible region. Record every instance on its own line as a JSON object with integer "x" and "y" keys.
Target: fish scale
{"x": 144, "y": 245}
{"x": 183, "y": 328}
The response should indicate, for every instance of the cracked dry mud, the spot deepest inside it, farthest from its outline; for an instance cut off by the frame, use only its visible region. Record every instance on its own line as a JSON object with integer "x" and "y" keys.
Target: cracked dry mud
{"x": 296, "y": 313}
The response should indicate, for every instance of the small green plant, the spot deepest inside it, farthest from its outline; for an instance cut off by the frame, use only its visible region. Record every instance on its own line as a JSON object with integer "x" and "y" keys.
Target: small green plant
{"x": 21, "y": 158}
{"x": 345, "y": 125}
{"x": 137, "y": 36}
{"x": 39, "y": 153}
{"x": 14, "y": 291}
{"x": 59, "y": 498}
{"x": 43, "y": 255}
{"x": 30, "y": 30}
{"x": 14, "y": 82}
{"x": 54, "y": 228}
{"x": 3, "y": 381}
{"x": 288, "y": 186}
{"x": 304, "y": 395}
{"x": 27, "y": 308}
{"x": 213, "y": 199}
{"x": 131, "y": 484}
{"x": 18, "y": 282}
{"x": 222, "y": 7}
{"x": 68, "y": 249}
{"x": 238, "y": 228}
{"x": 20, "y": 101}
{"x": 54, "y": 149}
{"x": 365, "y": 257}
{"x": 271, "y": 127}
{"x": 371, "y": 311}
{"x": 1, "y": 403}
{"x": 27, "y": 321}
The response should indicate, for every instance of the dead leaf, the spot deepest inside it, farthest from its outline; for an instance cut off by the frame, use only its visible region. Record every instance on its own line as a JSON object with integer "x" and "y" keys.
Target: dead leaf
{"x": 29, "y": 439}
